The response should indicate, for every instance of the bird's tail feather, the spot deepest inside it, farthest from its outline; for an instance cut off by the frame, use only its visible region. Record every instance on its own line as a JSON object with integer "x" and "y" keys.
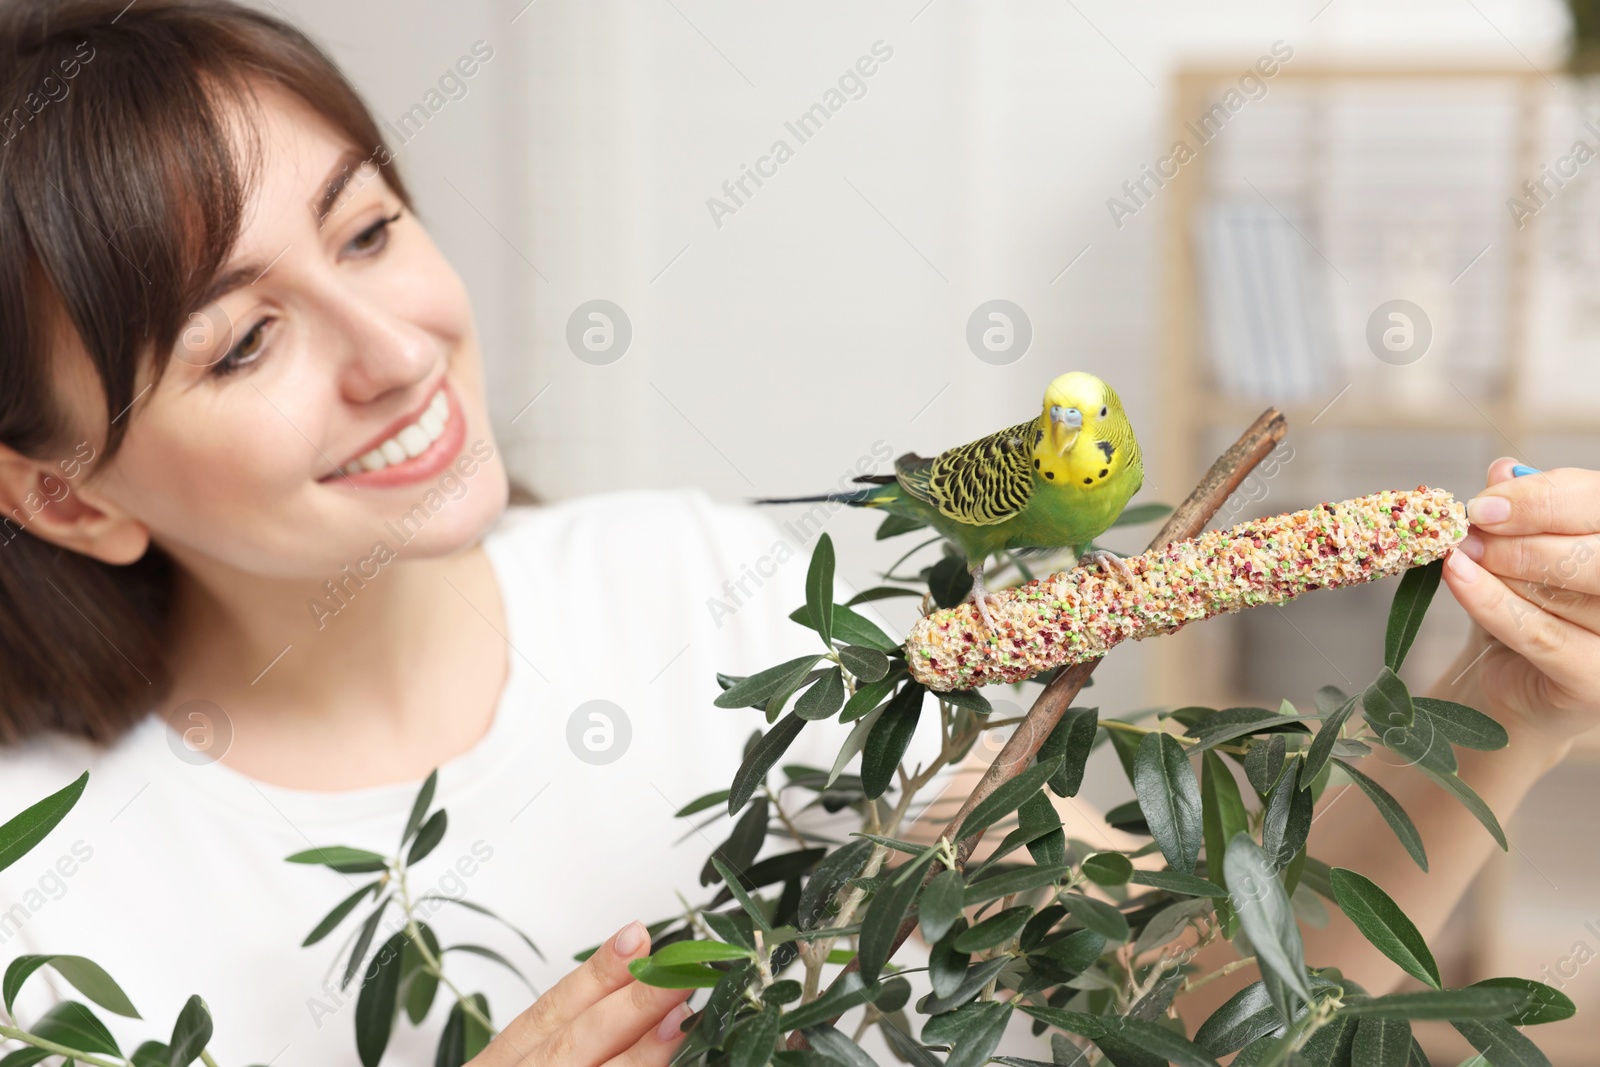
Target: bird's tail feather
{"x": 858, "y": 498}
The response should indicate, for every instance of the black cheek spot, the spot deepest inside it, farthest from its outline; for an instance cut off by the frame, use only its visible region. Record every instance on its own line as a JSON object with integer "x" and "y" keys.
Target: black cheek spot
{"x": 1088, "y": 481}
{"x": 1104, "y": 473}
{"x": 1051, "y": 475}
{"x": 1036, "y": 464}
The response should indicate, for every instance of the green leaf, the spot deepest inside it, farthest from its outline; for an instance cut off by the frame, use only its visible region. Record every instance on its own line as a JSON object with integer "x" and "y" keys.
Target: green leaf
{"x": 148, "y": 1054}
{"x": 880, "y": 592}
{"x": 981, "y": 1036}
{"x": 889, "y": 738}
{"x": 763, "y": 754}
{"x": 699, "y": 804}
{"x": 1471, "y": 801}
{"x": 1381, "y": 922}
{"x": 1392, "y": 813}
{"x": 1287, "y": 820}
{"x": 941, "y": 904}
{"x": 1222, "y": 808}
{"x": 753, "y": 1038}
{"x": 1473, "y": 1002}
{"x": 1501, "y": 1043}
{"x": 1169, "y": 797}
{"x": 996, "y": 930}
{"x": 869, "y": 696}
{"x": 971, "y": 980}
{"x": 681, "y": 952}
{"x": 885, "y": 912}
{"x": 1268, "y": 920}
{"x": 1264, "y": 760}
{"x": 85, "y": 975}
{"x": 341, "y": 858}
{"x": 1167, "y": 1046}
{"x": 1246, "y": 1016}
{"x": 481, "y": 910}
{"x": 376, "y": 1002}
{"x": 824, "y": 698}
{"x": 463, "y": 1036}
{"x": 832, "y": 1049}
{"x": 1039, "y": 827}
{"x": 28, "y": 828}
{"x": 1177, "y": 882}
{"x": 684, "y": 976}
{"x": 191, "y": 1033}
{"x": 1073, "y": 1022}
{"x": 1071, "y": 739}
{"x": 418, "y": 986}
{"x": 1464, "y": 726}
{"x": 736, "y": 887}
{"x": 1544, "y": 1004}
{"x": 333, "y": 918}
{"x": 1007, "y": 797}
{"x": 1382, "y": 1043}
{"x": 819, "y": 591}
{"x": 894, "y": 525}
{"x": 867, "y": 664}
{"x": 1410, "y": 604}
{"x": 1108, "y": 868}
{"x": 1387, "y": 703}
{"x": 847, "y": 991}
{"x": 851, "y": 627}
{"x": 428, "y": 837}
{"x": 419, "y": 807}
{"x": 1098, "y": 916}
{"x": 759, "y": 687}
{"x": 830, "y": 875}
{"x": 363, "y": 941}
{"x": 970, "y": 699}
{"x": 1327, "y": 734}
{"x": 75, "y": 1026}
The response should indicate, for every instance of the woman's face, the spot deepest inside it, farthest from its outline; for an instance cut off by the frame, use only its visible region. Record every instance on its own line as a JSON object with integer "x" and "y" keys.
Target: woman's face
{"x": 332, "y": 398}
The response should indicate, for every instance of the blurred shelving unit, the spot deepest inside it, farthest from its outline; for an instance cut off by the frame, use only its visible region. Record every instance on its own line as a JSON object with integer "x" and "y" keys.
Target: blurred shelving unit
{"x": 1323, "y": 194}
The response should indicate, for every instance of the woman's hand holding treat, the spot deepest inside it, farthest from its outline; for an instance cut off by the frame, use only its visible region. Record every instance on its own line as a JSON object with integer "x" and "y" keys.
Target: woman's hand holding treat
{"x": 1528, "y": 573}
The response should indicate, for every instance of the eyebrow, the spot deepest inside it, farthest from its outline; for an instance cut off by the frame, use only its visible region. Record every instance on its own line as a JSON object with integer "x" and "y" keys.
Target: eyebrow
{"x": 333, "y": 186}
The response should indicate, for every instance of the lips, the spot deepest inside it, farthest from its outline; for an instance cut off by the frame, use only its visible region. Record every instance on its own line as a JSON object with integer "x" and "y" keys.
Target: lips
{"x": 414, "y": 447}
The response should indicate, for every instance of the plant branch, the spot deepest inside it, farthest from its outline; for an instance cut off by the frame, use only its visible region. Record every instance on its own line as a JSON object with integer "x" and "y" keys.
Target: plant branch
{"x": 59, "y": 1050}
{"x": 1188, "y": 520}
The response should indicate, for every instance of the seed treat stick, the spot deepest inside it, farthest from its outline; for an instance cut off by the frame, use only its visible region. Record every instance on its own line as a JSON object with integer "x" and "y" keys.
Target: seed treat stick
{"x": 1080, "y": 614}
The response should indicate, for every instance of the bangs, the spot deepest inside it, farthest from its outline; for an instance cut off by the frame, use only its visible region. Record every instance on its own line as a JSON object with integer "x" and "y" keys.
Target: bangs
{"x": 121, "y": 181}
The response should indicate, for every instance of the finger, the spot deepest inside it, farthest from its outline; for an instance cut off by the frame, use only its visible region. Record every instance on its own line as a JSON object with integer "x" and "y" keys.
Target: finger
{"x": 1559, "y": 561}
{"x": 599, "y": 976}
{"x": 610, "y": 1027}
{"x": 1562, "y": 501}
{"x": 1500, "y": 470}
{"x": 1553, "y": 645}
{"x": 656, "y": 1048}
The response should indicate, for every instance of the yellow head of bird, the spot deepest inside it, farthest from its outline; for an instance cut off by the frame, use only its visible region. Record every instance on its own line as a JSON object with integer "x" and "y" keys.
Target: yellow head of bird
{"x": 1072, "y": 402}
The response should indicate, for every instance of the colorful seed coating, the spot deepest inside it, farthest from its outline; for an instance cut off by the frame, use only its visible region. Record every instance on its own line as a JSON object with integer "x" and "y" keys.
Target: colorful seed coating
{"x": 1080, "y": 614}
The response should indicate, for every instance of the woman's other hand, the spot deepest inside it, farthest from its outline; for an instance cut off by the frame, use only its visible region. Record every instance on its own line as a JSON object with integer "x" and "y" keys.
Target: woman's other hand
{"x": 597, "y": 1014}
{"x": 1528, "y": 573}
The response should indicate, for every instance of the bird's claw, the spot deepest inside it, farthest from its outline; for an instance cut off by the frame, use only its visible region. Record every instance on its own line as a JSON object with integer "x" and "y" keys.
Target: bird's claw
{"x": 980, "y": 601}
{"x": 1107, "y": 561}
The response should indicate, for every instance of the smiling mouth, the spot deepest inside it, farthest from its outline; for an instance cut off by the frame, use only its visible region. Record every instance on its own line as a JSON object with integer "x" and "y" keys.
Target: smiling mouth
{"x": 408, "y": 442}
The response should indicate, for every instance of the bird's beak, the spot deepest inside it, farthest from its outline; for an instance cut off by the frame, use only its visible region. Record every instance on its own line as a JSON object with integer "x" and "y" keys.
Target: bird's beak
{"x": 1065, "y": 426}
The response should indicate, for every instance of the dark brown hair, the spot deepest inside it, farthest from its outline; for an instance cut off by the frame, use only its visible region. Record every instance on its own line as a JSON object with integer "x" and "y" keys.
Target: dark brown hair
{"x": 120, "y": 200}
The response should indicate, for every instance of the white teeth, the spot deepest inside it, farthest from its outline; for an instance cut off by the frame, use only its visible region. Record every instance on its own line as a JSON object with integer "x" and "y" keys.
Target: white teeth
{"x": 410, "y": 441}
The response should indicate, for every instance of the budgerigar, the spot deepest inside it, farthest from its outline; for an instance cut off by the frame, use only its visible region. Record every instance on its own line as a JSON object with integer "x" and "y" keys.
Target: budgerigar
{"x": 1056, "y": 481}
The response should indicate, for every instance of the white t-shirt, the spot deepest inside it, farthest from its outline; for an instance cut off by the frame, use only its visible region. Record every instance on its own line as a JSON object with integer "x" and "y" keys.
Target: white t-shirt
{"x": 172, "y": 875}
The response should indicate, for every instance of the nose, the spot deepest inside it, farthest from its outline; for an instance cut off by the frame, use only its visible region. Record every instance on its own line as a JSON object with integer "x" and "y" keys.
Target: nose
{"x": 378, "y": 349}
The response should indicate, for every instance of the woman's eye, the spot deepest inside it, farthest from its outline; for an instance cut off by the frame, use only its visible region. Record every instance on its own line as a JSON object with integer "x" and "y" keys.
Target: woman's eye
{"x": 374, "y": 236}
{"x": 246, "y": 352}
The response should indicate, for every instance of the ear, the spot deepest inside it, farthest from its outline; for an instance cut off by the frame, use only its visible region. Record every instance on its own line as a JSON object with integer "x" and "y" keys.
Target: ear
{"x": 51, "y": 500}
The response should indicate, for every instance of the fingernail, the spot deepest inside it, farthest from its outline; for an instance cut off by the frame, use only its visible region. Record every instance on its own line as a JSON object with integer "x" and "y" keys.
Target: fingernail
{"x": 671, "y": 1025}
{"x": 1521, "y": 468}
{"x": 1463, "y": 566}
{"x": 1472, "y": 545}
{"x": 629, "y": 939}
{"x": 1485, "y": 509}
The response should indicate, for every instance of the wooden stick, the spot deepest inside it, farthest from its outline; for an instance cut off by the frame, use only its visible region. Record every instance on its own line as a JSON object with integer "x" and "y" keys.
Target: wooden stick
{"x": 1189, "y": 520}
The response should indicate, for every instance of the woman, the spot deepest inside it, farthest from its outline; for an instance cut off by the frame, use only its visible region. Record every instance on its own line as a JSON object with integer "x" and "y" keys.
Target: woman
{"x": 252, "y": 487}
